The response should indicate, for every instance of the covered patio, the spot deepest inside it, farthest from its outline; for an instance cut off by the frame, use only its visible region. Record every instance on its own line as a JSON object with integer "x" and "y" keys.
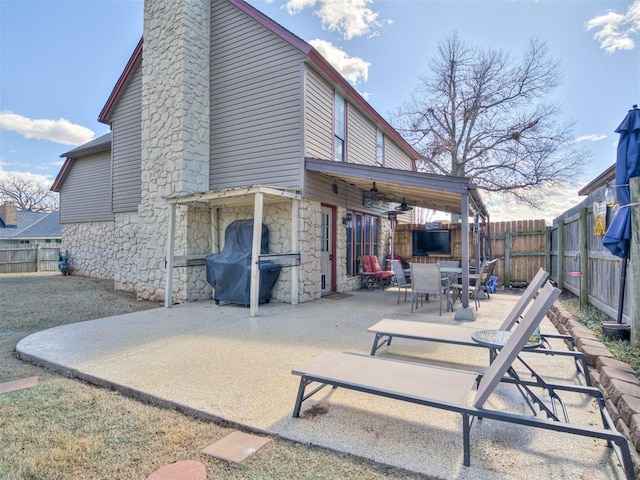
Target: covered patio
{"x": 454, "y": 195}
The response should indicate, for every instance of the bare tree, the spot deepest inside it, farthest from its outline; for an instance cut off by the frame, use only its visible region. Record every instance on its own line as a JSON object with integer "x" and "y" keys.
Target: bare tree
{"x": 480, "y": 114}
{"x": 28, "y": 196}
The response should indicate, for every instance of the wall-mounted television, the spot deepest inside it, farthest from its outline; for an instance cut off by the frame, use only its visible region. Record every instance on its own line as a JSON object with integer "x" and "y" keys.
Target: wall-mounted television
{"x": 425, "y": 242}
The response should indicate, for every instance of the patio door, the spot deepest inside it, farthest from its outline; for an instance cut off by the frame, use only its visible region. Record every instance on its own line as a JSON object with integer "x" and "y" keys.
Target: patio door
{"x": 326, "y": 250}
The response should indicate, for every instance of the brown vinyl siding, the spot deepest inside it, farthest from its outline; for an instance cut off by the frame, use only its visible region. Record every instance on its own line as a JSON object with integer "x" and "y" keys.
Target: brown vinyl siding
{"x": 256, "y": 111}
{"x": 320, "y": 188}
{"x": 318, "y": 117}
{"x": 127, "y": 146}
{"x": 85, "y": 195}
{"x": 361, "y": 138}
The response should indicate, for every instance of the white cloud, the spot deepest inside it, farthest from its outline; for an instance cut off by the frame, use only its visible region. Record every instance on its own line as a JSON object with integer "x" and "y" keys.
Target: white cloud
{"x": 552, "y": 203}
{"x": 615, "y": 31}
{"x": 42, "y": 180}
{"x": 354, "y": 69}
{"x": 59, "y": 131}
{"x": 589, "y": 138}
{"x": 351, "y": 18}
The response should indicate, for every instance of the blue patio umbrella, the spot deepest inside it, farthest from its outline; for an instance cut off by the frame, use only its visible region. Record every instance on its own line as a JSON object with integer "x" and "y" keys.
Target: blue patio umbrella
{"x": 617, "y": 239}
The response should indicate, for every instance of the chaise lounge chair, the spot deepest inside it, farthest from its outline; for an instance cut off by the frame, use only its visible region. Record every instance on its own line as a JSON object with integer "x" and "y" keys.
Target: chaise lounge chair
{"x": 386, "y": 329}
{"x": 448, "y": 389}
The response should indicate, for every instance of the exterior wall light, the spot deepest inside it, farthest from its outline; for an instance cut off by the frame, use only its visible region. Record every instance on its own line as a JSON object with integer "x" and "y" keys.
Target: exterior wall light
{"x": 347, "y": 220}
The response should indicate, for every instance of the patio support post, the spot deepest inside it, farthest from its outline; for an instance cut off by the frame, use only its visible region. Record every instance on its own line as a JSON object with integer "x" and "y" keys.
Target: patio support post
{"x": 634, "y": 262}
{"x": 464, "y": 312}
{"x": 295, "y": 248}
{"x": 168, "y": 293}
{"x": 255, "y": 254}
{"x": 215, "y": 239}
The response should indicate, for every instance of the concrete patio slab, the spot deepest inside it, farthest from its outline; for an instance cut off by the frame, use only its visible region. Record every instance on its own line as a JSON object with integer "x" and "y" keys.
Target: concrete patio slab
{"x": 217, "y": 362}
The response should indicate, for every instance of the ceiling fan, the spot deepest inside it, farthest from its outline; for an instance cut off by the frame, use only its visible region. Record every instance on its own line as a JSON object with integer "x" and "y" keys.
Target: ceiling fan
{"x": 403, "y": 207}
{"x": 374, "y": 193}
{"x": 372, "y": 197}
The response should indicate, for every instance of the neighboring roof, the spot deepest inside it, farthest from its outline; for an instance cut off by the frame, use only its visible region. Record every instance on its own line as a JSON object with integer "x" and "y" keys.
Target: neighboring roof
{"x": 427, "y": 190}
{"x": 34, "y": 225}
{"x": 97, "y": 145}
{"x": 609, "y": 175}
{"x": 297, "y": 43}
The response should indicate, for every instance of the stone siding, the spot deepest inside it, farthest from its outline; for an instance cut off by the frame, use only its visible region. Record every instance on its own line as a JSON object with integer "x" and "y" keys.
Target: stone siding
{"x": 175, "y": 133}
{"x": 127, "y": 251}
{"x": 277, "y": 218}
{"x": 91, "y": 248}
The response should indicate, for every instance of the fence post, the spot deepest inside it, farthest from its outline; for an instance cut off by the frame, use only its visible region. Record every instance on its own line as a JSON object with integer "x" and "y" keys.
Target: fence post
{"x": 634, "y": 263}
{"x": 507, "y": 258}
{"x": 547, "y": 250}
{"x": 38, "y": 257}
{"x": 560, "y": 278}
{"x": 584, "y": 259}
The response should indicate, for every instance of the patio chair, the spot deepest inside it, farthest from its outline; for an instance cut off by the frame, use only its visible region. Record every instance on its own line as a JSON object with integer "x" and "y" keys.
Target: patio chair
{"x": 371, "y": 273}
{"x": 478, "y": 281}
{"x": 449, "y": 389}
{"x": 449, "y": 263}
{"x": 399, "y": 279}
{"x": 386, "y": 329}
{"x": 386, "y": 276}
{"x": 425, "y": 280}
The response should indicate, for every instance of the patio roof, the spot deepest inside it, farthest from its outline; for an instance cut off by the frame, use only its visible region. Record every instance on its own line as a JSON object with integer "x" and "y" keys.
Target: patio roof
{"x": 435, "y": 192}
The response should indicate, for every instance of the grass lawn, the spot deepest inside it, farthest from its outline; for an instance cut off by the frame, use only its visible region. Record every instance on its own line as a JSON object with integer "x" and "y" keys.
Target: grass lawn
{"x": 66, "y": 429}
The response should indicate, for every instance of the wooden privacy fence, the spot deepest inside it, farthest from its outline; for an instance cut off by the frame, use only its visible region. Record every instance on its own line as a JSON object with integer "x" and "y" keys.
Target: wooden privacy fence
{"x": 28, "y": 258}
{"x": 580, "y": 264}
{"x": 520, "y": 247}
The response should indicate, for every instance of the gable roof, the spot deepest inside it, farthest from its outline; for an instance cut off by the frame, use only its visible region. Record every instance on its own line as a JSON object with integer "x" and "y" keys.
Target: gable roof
{"x": 312, "y": 54}
{"x": 97, "y": 145}
{"x": 609, "y": 175}
{"x": 34, "y": 225}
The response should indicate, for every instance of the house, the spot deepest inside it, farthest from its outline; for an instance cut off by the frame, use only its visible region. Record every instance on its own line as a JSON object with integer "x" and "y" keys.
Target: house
{"x": 222, "y": 114}
{"x": 18, "y": 228}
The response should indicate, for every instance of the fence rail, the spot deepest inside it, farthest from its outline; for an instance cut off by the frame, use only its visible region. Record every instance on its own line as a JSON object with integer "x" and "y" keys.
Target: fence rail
{"x": 519, "y": 245}
{"x": 28, "y": 258}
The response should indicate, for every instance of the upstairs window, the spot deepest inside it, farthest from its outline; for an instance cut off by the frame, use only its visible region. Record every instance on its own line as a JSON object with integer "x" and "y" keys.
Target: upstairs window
{"x": 379, "y": 148}
{"x": 339, "y": 129}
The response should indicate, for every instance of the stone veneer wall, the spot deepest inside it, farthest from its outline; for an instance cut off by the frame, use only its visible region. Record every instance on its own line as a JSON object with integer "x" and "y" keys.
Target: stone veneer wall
{"x": 127, "y": 251}
{"x": 199, "y": 242}
{"x": 175, "y": 132}
{"x": 91, "y": 247}
{"x": 617, "y": 380}
{"x": 277, "y": 218}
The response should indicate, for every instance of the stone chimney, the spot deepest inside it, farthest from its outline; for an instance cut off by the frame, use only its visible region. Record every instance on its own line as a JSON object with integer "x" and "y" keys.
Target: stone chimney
{"x": 9, "y": 215}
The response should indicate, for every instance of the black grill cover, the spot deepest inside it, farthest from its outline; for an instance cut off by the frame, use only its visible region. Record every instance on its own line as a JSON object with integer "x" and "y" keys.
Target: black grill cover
{"x": 229, "y": 272}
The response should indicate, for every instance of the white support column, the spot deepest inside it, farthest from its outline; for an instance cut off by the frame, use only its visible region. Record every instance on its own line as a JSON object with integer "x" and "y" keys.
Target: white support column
{"x": 255, "y": 254}
{"x": 295, "y": 248}
{"x": 168, "y": 293}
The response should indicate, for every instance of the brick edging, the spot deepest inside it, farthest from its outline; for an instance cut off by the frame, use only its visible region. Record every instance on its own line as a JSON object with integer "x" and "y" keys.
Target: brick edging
{"x": 617, "y": 380}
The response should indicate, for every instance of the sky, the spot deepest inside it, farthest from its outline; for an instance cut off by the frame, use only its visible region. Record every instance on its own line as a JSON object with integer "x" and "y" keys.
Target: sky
{"x": 60, "y": 59}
